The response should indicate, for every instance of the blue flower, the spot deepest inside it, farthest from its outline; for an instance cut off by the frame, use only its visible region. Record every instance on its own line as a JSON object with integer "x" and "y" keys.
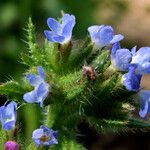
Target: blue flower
{"x": 144, "y": 97}
{"x": 131, "y": 80}
{"x": 142, "y": 59}
{"x": 45, "y": 136}
{"x": 103, "y": 35}
{"x": 8, "y": 115}
{"x": 41, "y": 88}
{"x": 60, "y": 32}
{"x": 120, "y": 58}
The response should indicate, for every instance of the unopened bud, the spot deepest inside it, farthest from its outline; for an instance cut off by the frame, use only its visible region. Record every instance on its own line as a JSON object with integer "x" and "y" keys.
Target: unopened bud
{"x": 12, "y": 145}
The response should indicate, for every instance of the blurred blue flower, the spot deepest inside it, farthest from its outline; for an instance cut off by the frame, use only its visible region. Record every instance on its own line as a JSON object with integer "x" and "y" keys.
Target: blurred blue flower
{"x": 131, "y": 80}
{"x": 142, "y": 59}
{"x": 103, "y": 35}
{"x": 41, "y": 88}
{"x": 120, "y": 57}
{"x": 60, "y": 32}
{"x": 144, "y": 97}
{"x": 45, "y": 136}
{"x": 8, "y": 115}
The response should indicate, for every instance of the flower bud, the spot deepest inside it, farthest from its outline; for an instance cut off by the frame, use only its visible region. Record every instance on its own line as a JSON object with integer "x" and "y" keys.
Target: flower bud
{"x": 11, "y": 145}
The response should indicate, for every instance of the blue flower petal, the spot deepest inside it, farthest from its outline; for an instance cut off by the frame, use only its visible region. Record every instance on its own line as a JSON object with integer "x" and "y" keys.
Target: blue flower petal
{"x": 133, "y": 50}
{"x": 67, "y": 18}
{"x": 59, "y": 39}
{"x": 42, "y": 90}
{"x": 55, "y": 134}
{"x": 34, "y": 79}
{"x": 115, "y": 47}
{"x": 54, "y": 25}
{"x": 117, "y": 38}
{"x": 31, "y": 97}
{"x": 9, "y": 125}
{"x": 37, "y": 133}
{"x": 45, "y": 128}
{"x": 131, "y": 80}
{"x": 144, "y": 97}
{"x": 67, "y": 30}
{"x": 106, "y": 35}
{"x": 121, "y": 59}
{"x": 11, "y": 107}
{"x": 50, "y": 35}
{"x": 144, "y": 112}
{"x": 41, "y": 72}
{"x": 2, "y": 112}
{"x": 60, "y": 33}
{"x": 8, "y": 116}
{"x": 142, "y": 60}
{"x": 94, "y": 32}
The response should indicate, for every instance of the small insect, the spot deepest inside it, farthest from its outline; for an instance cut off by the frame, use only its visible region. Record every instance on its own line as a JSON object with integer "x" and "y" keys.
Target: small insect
{"x": 89, "y": 71}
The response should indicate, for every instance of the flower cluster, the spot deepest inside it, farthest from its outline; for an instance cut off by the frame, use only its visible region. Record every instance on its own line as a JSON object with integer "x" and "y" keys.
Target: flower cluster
{"x": 43, "y": 136}
{"x": 131, "y": 64}
{"x": 8, "y": 114}
{"x": 136, "y": 63}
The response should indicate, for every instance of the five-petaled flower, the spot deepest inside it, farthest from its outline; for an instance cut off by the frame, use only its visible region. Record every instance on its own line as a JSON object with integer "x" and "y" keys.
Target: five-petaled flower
{"x": 41, "y": 88}
{"x": 131, "y": 80}
{"x": 144, "y": 97}
{"x": 45, "y": 136}
{"x": 103, "y": 35}
{"x": 60, "y": 32}
{"x": 8, "y": 115}
{"x": 11, "y": 145}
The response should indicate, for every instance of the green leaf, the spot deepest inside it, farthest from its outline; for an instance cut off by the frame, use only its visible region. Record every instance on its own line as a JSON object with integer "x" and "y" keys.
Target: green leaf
{"x": 27, "y": 59}
{"x": 13, "y": 90}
